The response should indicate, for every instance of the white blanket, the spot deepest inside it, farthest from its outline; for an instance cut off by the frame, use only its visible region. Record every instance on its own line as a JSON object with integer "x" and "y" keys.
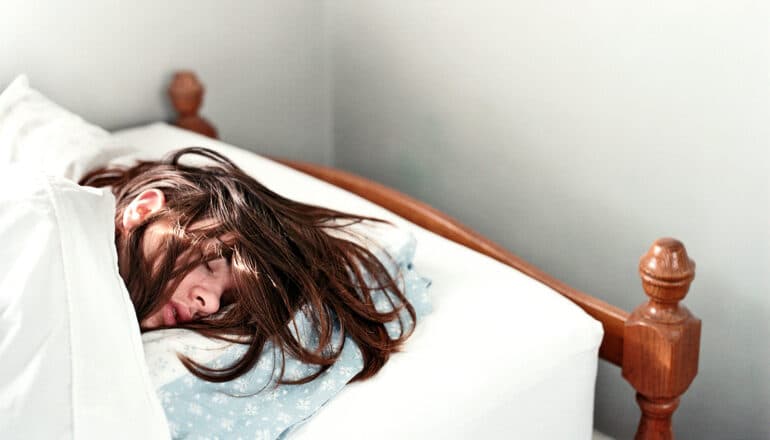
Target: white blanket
{"x": 72, "y": 360}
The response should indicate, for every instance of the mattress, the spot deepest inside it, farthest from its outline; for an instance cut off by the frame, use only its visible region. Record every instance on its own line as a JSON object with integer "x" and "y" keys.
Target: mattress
{"x": 501, "y": 356}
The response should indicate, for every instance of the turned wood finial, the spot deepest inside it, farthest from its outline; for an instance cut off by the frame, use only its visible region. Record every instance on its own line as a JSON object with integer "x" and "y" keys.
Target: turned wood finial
{"x": 186, "y": 94}
{"x": 662, "y": 338}
{"x": 666, "y": 271}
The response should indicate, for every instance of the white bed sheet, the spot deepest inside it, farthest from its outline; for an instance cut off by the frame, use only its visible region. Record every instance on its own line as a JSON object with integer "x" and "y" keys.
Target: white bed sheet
{"x": 501, "y": 356}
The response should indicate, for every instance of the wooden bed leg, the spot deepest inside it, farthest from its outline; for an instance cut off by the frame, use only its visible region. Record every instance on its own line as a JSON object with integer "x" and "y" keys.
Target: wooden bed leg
{"x": 661, "y": 338}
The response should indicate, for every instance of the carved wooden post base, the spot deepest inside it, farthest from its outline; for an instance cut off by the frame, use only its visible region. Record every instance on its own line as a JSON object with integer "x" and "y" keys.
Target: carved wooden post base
{"x": 661, "y": 338}
{"x": 198, "y": 125}
{"x": 656, "y": 418}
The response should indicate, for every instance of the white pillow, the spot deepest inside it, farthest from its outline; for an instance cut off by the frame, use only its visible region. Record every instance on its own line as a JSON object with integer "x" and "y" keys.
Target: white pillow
{"x": 41, "y": 134}
{"x": 72, "y": 364}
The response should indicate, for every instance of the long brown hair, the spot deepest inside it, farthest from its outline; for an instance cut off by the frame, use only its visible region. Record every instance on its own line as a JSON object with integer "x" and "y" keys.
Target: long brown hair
{"x": 283, "y": 254}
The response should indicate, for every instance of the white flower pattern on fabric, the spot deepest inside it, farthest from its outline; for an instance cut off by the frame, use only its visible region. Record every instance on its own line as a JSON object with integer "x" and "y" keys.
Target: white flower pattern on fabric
{"x": 227, "y": 425}
{"x": 195, "y": 409}
{"x": 326, "y": 385}
{"x": 251, "y": 410}
{"x": 303, "y": 404}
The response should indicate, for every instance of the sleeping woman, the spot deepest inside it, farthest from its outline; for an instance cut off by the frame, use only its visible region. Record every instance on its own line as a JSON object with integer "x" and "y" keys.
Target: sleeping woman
{"x": 209, "y": 248}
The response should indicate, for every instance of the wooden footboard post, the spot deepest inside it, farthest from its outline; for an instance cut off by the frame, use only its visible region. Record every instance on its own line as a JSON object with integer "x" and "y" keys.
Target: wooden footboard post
{"x": 661, "y": 338}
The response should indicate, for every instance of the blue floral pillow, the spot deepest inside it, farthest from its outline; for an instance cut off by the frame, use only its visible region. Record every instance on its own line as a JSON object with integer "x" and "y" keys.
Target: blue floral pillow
{"x": 252, "y": 406}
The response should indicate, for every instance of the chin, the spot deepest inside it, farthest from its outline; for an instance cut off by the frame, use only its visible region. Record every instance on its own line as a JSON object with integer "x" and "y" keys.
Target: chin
{"x": 149, "y": 323}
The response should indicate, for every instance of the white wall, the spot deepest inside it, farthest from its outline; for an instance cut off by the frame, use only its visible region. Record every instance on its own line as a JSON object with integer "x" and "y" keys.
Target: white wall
{"x": 263, "y": 64}
{"x": 575, "y": 133}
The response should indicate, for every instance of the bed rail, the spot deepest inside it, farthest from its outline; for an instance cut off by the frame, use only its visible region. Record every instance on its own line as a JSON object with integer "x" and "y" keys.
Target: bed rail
{"x": 611, "y": 317}
{"x": 656, "y": 345}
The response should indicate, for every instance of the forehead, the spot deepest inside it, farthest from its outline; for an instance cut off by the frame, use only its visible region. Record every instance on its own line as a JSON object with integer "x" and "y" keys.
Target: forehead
{"x": 226, "y": 239}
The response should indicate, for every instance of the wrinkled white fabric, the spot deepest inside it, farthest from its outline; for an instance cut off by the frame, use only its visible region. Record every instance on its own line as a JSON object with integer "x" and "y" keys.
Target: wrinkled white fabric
{"x": 71, "y": 358}
{"x": 41, "y": 134}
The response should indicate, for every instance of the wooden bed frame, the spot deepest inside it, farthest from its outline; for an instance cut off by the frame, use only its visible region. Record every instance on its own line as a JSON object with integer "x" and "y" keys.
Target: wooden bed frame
{"x": 656, "y": 345}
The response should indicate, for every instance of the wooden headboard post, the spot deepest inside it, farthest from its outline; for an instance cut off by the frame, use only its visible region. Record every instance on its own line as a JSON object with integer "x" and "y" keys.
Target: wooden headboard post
{"x": 656, "y": 346}
{"x": 186, "y": 94}
{"x": 662, "y": 338}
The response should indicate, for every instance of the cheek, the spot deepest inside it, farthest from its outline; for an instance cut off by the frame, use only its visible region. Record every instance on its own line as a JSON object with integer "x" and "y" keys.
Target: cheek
{"x": 183, "y": 287}
{"x": 154, "y": 238}
{"x": 152, "y": 321}
{"x": 192, "y": 279}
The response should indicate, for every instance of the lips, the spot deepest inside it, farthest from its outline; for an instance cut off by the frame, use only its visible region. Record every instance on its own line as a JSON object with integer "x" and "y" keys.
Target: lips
{"x": 182, "y": 313}
{"x": 169, "y": 315}
{"x": 174, "y": 313}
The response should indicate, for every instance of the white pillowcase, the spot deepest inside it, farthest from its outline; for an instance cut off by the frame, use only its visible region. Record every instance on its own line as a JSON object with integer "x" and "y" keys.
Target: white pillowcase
{"x": 42, "y": 135}
{"x": 72, "y": 360}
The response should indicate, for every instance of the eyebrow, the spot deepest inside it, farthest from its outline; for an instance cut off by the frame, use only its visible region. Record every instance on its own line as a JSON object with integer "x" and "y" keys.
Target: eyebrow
{"x": 224, "y": 251}
{"x": 212, "y": 258}
{"x": 217, "y": 249}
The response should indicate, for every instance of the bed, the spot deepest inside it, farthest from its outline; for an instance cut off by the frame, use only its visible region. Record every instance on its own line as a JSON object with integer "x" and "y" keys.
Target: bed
{"x": 508, "y": 351}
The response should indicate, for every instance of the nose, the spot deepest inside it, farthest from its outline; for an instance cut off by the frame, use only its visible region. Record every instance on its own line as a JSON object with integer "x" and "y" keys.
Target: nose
{"x": 207, "y": 301}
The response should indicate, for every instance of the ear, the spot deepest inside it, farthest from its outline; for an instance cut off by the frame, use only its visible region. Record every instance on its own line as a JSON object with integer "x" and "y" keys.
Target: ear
{"x": 146, "y": 203}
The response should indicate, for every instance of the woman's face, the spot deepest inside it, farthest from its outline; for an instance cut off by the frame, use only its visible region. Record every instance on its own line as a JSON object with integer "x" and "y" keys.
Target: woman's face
{"x": 201, "y": 292}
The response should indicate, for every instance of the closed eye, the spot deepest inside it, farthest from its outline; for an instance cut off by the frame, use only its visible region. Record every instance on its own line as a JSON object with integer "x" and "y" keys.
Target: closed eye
{"x": 208, "y": 266}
